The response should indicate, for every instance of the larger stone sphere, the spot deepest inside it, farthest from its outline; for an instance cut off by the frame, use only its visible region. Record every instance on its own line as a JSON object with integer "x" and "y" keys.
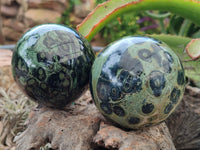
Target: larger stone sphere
{"x": 137, "y": 82}
{"x": 51, "y": 64}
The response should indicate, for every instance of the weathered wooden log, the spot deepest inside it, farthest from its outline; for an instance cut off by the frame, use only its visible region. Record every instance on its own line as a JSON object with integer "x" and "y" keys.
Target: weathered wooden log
{"x": 156, "y": 137}
{"x": 184, "y": 123}
{"x": 78, "y": 128}
{"x": 70, "y": 129}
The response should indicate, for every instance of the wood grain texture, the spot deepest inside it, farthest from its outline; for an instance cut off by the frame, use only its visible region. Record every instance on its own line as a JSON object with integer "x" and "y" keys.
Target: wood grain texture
{"x": 78, "y": 128}
{"x": 184, "y": 123}
{"x": 153, "y": 138}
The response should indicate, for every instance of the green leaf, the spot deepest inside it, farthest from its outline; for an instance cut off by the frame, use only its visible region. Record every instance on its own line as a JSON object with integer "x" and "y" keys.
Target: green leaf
{"x": 196, "y": 35}
{"x": 178, "y": 45}
{"x": 105, "y": 12}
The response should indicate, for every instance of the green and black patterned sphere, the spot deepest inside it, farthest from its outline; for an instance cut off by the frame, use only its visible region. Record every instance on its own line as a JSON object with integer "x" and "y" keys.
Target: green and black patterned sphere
{"x": 137, "y": 82}
{"x": 51, "y": 63}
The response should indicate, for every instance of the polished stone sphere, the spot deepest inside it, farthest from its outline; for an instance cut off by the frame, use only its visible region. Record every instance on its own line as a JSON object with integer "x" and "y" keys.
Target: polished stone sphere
{"x": 51, "y": 64}
{"x": 137, "y": 81}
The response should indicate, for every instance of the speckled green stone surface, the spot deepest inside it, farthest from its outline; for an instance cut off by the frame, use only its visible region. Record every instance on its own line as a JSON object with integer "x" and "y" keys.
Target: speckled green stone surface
{"x": 137, "y": 82}
{"x": 51, "y": 64}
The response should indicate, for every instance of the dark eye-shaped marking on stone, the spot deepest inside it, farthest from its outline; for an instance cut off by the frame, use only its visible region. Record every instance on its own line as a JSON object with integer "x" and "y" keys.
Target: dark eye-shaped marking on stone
{"x": 41, "y": 57}
{"x": 127, "y": 87}
{"x": 147, "y": 108}
{"x": 126, "y": 79}
{"x": 168, "y": 108}
{"x": 115, "y": 93}
{"x": 145, "y": 55}
{"x": 118, "y": 111}
{"x": 133, "y": 120}
{"x": 32, "y": 89}
{"x": 130, "y": 83}
{"x": 175, "y": 94}
{"x": 43, "y": 86}
{"x": 65, "y": 80}
{"x": 62, "y": 76}
{"x": 103, "y": 90}
{"x": 157, "y": 82}
{"x": 106, "y": 108}
{"x": 54, "y": 81}
{"x": 31, "y": 81}
{"x": 136, "y": 84}
{"x": 168, "y": 56}
{"x": 166, "y": 66}
{"x": 66, "y": 83}
{"x": 180, "y": 77}
{"x": 123, "y": 75}
{"x": 41, "y": 75}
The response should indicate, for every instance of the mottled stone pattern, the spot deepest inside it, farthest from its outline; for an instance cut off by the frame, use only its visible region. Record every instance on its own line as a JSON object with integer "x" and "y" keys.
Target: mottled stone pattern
{"x": 137, "y": 81}
{"x": 51, "y": 63}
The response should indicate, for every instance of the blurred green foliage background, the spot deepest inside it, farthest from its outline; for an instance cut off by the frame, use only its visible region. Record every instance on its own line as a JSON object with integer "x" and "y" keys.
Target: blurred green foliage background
{"x": 141, "y": 23}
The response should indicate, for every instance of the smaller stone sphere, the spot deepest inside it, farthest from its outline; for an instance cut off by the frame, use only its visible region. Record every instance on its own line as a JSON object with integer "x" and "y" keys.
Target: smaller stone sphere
{"x": 51, "y": 64}
{"x": 137, "y": 82}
